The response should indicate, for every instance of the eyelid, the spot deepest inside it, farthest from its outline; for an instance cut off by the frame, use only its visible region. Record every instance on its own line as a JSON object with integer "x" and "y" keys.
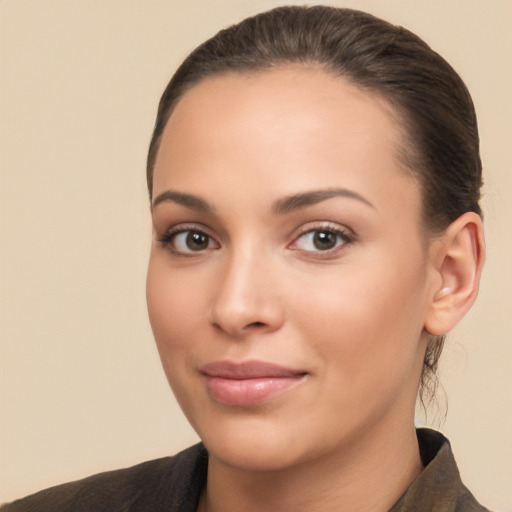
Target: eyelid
{"x": 318, "y": 225}
{"x": 169, "y": 234}
{"x": 346, "y": 234}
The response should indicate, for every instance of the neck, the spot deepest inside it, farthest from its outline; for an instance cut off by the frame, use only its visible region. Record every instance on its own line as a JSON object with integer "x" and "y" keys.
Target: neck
{"x": 370, "y": 475}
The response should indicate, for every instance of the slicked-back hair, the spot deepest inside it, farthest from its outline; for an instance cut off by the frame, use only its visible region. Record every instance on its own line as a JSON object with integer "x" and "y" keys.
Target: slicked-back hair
{"x": 440, "y": 145}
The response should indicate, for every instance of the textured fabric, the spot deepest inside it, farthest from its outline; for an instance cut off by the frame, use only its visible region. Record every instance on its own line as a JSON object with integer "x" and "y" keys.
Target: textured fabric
{"x": 174, "y": 484}
{"x": 439, "y": 487}
{"x": 168, "y": 484}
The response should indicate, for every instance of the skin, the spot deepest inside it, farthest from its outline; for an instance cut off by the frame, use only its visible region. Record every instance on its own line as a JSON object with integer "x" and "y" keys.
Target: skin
{"x": 353, "y": 318}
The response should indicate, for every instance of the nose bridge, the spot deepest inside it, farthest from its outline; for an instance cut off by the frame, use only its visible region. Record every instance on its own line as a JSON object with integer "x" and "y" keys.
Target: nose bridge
{"x": 246, "y": 298}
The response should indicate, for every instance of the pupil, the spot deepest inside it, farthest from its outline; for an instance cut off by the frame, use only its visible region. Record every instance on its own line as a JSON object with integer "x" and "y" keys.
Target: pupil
{"x": 325, "y": 240}
{"x": 197, "y": 241}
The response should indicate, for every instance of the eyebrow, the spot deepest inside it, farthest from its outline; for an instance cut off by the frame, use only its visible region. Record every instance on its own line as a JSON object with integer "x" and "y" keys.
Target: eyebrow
{"x": 188, "y": 200}
{"x": 281, "y": 206}
{"x": 310, "y": 198}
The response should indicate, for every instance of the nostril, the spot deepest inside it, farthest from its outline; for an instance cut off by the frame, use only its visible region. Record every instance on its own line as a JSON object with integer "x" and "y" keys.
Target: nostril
{"x": 256, "y": 324}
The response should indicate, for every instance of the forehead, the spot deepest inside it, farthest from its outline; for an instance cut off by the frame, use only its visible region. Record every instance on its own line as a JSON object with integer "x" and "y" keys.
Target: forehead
{"x": 294, "y": 127}
{"x": 303, "y": 93}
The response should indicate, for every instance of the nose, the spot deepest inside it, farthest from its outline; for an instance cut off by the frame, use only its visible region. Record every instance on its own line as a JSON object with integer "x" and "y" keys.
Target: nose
{"x": 246, "y": 299}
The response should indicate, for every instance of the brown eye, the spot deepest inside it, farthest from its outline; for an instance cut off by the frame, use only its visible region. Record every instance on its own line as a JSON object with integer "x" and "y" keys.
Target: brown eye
{"x": 321, "y": 240}
{"x": 189, "y": 241}
{"x": 325, "y": 240}
{"x": 197, "y": 241}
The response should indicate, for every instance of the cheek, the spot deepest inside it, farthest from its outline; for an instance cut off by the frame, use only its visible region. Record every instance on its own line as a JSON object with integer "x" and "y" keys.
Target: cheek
{"x": 173, "y": 304}
{"x": 174, "y": 309}
{"x": 366, "y": 323}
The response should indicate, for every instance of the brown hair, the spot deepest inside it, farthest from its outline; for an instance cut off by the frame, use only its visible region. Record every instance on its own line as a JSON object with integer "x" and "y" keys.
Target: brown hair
{"x": 438, "y": 118}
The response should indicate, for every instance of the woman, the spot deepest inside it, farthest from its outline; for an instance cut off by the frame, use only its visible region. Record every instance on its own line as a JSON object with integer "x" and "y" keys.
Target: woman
{"x": 314, "y": 178}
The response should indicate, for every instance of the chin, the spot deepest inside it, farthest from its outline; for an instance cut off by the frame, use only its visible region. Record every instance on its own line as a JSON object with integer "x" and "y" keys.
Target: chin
{"x": 260, "y": 444}
{"x": 254, "y": 454}
{"x": 248, "y": 443}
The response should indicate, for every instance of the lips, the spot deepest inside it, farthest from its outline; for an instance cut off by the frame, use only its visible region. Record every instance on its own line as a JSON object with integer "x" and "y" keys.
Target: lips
{"x": 248, "y": 383}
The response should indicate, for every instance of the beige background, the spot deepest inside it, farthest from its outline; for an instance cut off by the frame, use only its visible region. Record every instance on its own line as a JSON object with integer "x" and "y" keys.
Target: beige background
{"x": 81, "y": 386}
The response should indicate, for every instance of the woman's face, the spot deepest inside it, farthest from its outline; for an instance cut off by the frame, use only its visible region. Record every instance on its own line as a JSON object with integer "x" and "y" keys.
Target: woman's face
{"x": 289, "y": 277}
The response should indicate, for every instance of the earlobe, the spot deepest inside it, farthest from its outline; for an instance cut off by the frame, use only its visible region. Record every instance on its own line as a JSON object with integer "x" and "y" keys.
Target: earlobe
{"x": 458, "y": 259}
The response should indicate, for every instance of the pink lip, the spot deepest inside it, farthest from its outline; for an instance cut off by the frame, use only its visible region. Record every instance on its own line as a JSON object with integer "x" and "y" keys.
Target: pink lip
{"x": 248, "y": 383}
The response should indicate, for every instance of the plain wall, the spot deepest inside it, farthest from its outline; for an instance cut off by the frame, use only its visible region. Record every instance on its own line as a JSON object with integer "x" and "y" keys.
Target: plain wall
{"x": 82, "y": 390}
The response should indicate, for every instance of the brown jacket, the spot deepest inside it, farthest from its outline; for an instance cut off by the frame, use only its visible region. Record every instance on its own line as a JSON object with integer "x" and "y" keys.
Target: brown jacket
{"x": 174, "y": 484}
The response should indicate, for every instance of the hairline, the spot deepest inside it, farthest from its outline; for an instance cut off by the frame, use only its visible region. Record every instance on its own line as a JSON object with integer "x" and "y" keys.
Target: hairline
{"x": 404, "y": 149}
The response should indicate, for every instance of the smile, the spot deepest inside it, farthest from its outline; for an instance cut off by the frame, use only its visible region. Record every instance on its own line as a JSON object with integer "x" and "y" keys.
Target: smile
{"x": 249, "y": 383}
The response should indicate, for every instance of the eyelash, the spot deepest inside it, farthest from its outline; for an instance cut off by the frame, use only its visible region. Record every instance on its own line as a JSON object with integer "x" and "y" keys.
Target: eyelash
{"x": 341, "y": 235}
{"x": 170, "y": 236}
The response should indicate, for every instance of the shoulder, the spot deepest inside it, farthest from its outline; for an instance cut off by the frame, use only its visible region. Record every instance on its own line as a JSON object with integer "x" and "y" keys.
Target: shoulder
{"x": 439, "y": 485}
{"x": 169, "y": 482}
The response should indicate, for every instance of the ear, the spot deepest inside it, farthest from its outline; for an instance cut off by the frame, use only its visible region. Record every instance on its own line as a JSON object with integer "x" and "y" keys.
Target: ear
{"x": 457, "y": 258}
